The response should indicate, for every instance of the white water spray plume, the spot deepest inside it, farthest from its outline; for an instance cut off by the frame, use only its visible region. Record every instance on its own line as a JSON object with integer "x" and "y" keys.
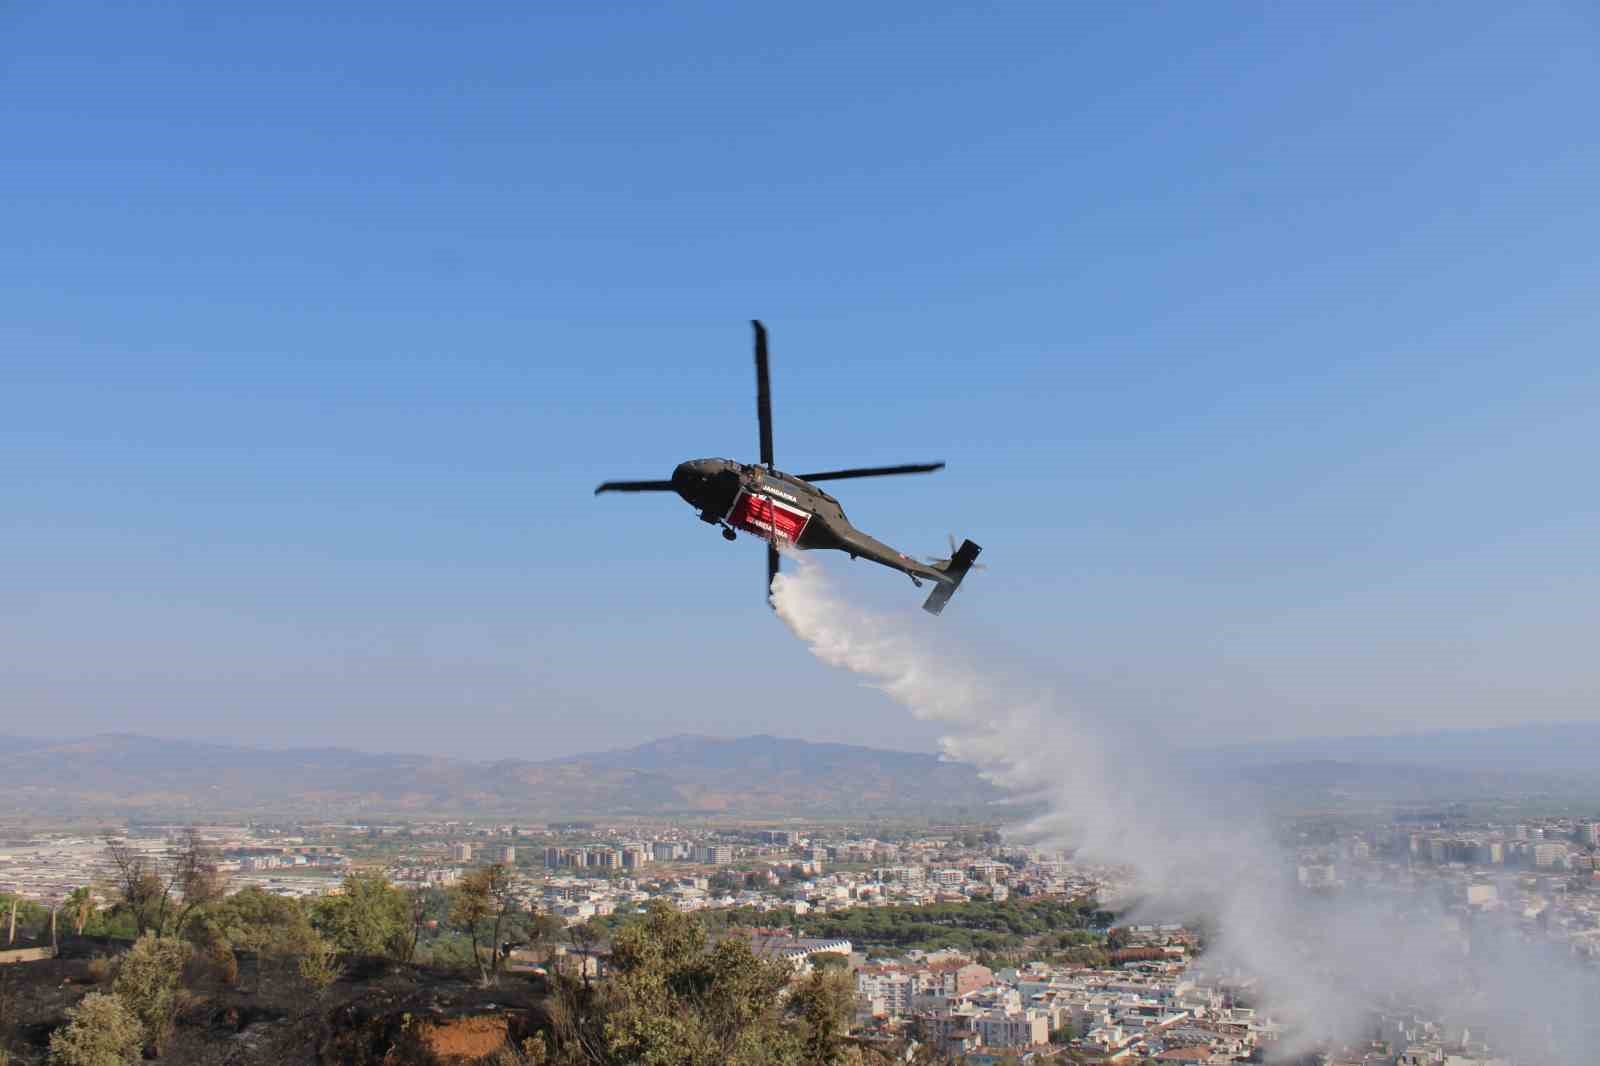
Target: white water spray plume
{"x": 1202, "y": 849}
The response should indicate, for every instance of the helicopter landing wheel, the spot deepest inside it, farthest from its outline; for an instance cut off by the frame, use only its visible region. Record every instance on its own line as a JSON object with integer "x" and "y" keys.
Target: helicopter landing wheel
{"x": 728, "y": 534}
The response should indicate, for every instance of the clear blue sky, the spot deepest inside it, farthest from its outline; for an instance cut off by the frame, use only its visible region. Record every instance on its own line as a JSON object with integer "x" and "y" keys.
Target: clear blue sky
{"x": 1261, "y": 341}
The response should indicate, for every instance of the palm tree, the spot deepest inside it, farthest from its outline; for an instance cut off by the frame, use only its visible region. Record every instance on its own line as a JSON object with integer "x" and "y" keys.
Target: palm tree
{"x": 79, "y": 905}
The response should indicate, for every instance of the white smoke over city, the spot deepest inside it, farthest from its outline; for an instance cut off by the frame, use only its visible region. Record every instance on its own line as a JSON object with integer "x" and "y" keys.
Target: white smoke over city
{"x": 1199, "y": 849}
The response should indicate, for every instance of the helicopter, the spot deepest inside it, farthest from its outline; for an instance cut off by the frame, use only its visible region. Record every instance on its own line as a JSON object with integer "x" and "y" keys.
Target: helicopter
{"x": 790, "y": 511}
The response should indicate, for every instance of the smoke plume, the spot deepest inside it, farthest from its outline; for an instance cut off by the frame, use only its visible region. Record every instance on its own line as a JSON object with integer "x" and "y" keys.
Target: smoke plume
{"x": 1200, "y": 849}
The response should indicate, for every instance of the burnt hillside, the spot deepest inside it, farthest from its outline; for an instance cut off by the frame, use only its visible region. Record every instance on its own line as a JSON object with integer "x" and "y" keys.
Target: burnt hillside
{"x": 379, "y": 1012}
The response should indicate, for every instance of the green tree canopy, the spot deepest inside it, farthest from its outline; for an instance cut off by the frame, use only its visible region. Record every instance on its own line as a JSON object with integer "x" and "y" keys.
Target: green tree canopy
{"x": 829, "y": 960}
{"x": 32, "y": 918}
{"x": 676, "y": 1001}
{"x": 976, "y": 925}
{"x": 253, "y": 919}
{"x": 823, "y": 1001}
{"x": 369, "y": 916}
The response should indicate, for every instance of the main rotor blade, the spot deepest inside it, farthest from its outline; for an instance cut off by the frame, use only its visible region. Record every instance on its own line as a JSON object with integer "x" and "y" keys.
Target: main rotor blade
{"x": 634, "y": 486}
{"x": 763, "y": 394}
{"x": 872, "y": 471}
{"x": 772, "y": 568}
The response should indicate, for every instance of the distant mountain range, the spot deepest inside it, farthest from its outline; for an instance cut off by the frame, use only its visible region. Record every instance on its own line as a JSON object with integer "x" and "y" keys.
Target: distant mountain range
{"x": 745, "y": 777}
{"x": 1563, "y": 748}
{"x": 757, "y": 776}
{"x": 1549, "y": 765}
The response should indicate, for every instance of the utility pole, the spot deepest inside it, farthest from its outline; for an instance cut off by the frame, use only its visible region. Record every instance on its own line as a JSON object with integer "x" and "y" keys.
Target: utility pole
{"x": 13, "y": 938}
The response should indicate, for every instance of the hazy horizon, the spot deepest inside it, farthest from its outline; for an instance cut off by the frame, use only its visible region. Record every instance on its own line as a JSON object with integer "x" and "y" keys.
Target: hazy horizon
{"x": 1266, "y": 752}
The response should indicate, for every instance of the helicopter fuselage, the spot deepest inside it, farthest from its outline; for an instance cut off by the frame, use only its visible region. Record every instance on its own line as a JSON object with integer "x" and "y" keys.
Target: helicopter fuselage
{"x": 784, "y": 510}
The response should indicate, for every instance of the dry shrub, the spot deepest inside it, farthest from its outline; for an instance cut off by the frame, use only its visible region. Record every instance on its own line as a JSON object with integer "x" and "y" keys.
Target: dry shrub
{"x": 100, "y": 1031}
{"x": 319, "y": 968}
{"x": 101, "y": 969}
{"x": 149, "y": 983}
{"x": 531, "y": 1052}
{"x": 224, "y": 963}
{"x": 189, "y": 1002}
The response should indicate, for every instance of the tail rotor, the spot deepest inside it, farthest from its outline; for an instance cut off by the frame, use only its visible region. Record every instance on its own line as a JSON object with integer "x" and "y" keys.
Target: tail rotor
{"x": 954, "y": 548}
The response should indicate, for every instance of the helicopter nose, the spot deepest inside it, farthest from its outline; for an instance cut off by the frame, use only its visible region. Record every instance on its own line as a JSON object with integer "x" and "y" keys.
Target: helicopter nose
{"x": 684, "y": 480}
{"x": 691, "y": 479}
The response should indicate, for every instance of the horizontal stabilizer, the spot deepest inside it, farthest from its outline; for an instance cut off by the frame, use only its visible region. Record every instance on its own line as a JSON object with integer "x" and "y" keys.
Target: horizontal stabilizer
{"x": 954, "y": 571}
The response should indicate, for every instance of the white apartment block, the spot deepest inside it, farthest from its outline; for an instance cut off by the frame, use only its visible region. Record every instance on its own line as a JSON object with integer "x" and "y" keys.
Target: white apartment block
{"x": 1012, "y": 1028}
{"x": 890, "y": 993}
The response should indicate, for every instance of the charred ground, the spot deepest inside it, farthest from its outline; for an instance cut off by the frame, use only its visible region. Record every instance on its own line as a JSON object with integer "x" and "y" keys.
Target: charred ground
{"x": 378, "y": 1011}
